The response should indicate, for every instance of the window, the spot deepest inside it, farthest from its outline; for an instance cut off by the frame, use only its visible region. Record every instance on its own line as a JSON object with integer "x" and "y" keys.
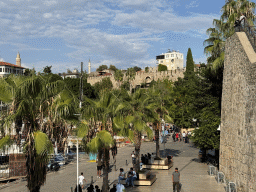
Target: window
{"x": 167, "y": 56}
{"x": 172, "y": 55}
{"x": 0, "y": 69}
{"x": 161, "y": 61}
{"x": 14, "y": 71}
{"x": 181, "y": 56}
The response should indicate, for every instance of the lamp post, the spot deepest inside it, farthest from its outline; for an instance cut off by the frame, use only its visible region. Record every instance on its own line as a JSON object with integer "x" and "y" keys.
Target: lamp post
{"x": 80, "y": 106}
{"x": 163, "y": 134}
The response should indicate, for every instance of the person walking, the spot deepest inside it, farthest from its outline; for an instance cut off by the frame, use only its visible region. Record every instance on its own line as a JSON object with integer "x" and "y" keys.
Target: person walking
{"x": 99, "y": 165}
{"x": 133, "y": 158}
{"x": 81, "y": 180}
{"x": 176, "y": 180}
{"x": 184, "y": 136}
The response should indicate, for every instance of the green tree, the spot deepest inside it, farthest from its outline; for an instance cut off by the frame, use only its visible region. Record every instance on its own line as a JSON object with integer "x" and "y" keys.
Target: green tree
{"x": 131, "y": 117}
{"x": 160, "y": 103}
{"x": 113, "y": 68}
{"x": 74, "y": 85}
{"x": 29, "y": 99}
{"x": 147, "y": 69}
{"x": 119, "y": 76}
{"x": 47, "y": 69}
{"x": 162, "y": 67}
{"x": 101, "y": 110}
{"x": 130, "y": 74}
{"x": 105, "y": 84}
{"x": 102, "y": 68}
{"x": 136, "y": 68}
{"x": 189, "y": 64}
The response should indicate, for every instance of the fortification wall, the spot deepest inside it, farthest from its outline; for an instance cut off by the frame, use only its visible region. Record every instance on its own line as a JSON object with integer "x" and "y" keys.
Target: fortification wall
{"x": 143, "y": 77}
{"x": 238, "y": 120}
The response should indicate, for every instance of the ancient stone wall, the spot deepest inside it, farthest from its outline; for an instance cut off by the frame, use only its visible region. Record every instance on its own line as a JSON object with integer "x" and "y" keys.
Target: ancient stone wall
{"x": 238, "y": 114}
{"x": 143, "y": 77}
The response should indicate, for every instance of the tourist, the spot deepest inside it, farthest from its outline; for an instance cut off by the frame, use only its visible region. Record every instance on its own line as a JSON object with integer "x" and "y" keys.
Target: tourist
{"x": 177, "y": 136}
{"x": 146, "y": 159}
{"x": 97, "y": 188}
{"x": 173, "y": 136}
{"x": 184, "y": 136}
{"x": 176, "y": 180}
{"x": 79, "y": 189}
{"x": 120, "y": 187}
{"x": 131, "y": 177}
{"x": 99, "y": 165}
{"x": 133, "y": 158}
{"x": 81, "y": 180}
{"x": 142, "y": 159}
{"x": 90, "y": 189}
{"x": 149, "y": 158}
{"x": 121, "y": 175}
{"x": 114, "y": 151}
{"x": 113, "y": 189}
{"x": 242, "y": 18}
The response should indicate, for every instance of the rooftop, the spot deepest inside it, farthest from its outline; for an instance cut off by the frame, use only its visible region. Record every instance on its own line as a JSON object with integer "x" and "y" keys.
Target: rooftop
{"x": 11, "y": 65}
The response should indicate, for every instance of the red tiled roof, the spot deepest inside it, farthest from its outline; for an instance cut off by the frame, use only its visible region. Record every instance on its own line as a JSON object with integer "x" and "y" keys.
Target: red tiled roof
{"x": 9, "y": 64}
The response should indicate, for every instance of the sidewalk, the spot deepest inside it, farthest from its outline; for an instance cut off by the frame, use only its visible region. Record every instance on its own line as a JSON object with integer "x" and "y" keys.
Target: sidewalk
{"x": 194, "y": 176}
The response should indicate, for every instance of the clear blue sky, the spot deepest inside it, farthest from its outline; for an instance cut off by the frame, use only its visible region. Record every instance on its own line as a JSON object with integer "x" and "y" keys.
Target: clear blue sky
{"x": 125, "y": 33}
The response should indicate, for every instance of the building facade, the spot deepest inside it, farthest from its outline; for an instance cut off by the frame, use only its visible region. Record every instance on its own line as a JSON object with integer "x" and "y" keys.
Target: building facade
{"x": 8, "y": 68}
{"x": 172, "y": 59}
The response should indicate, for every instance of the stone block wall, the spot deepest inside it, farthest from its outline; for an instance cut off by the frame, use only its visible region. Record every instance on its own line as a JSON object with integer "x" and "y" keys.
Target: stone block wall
{"x": 143, "y": 77}
{"x": 238, "y": 114}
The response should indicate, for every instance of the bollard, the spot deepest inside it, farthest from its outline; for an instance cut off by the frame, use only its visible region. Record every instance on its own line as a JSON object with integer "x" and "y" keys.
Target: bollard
{"x": 126, "y": 162}
{"x": 91, "y": 179}
{"x": 115, "y": 167}
{"x": 71, "y": 189}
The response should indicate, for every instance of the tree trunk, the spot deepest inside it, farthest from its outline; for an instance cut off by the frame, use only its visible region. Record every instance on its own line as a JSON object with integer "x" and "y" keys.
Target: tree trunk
{"x": 137, "y": 150}
{"x": 157, "y": 141}
{"x": 105, "y": 187}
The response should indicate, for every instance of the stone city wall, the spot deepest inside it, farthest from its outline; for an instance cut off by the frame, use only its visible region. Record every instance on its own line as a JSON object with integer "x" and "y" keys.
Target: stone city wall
{"x": 238, "y": 114}
{"x": 143, "y": 77}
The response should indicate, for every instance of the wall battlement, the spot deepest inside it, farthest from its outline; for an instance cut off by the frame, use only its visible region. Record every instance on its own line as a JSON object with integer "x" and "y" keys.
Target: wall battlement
{"x": 143, "y": 77}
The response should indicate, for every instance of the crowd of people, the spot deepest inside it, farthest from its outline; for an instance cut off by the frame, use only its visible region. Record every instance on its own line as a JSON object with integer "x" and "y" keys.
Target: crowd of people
{"x": 178, "y": 136}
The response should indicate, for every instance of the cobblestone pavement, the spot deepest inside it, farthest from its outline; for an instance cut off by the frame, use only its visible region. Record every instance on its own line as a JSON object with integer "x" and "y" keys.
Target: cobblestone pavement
{"x": 194, "y": 176}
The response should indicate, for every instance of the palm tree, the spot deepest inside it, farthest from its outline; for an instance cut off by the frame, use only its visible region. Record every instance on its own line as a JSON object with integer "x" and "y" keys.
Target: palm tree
{"x": 30, "y": 100}
{"x": 159, "y": 99}
{"x": 101, "y": 110}
{"x": 130, "y": 73}
{"x": 131, "y": 117}
{"x": 215, "y": 45}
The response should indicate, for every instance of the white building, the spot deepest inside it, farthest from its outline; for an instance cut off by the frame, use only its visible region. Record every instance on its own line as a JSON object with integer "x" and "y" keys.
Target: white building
{"x": 172, "y": 59}
{"x": 8, "y": 68}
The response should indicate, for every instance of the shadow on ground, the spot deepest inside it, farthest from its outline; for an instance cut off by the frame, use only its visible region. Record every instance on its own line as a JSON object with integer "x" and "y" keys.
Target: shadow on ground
{"x": 171, "y": 152}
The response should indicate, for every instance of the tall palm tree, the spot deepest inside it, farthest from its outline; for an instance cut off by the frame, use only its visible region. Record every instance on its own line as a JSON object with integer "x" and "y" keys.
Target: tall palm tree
{"x": 101, "y": 110}
{"x": 159, "y": 102}
{"x": 131, "y": 117}
{"x": 215, "y": 45}
{"x": 29, "y": 101}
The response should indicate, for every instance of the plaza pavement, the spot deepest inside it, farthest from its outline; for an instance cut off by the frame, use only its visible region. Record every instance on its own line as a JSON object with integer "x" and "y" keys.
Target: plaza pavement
{"x": 194, "y": 176}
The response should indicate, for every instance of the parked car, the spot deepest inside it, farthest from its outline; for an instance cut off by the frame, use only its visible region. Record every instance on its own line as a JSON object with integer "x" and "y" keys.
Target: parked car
{"x": 60, "y": 160}
{"x": 53, "y": 166}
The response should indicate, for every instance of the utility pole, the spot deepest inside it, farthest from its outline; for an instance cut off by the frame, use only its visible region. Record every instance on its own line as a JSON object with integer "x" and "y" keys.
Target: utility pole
{"x": 80, "y": 106}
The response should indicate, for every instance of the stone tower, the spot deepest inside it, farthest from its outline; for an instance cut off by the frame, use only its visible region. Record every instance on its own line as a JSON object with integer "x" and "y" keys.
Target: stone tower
{"x": 89, "y": 67}
{"x": 18, "y": 60}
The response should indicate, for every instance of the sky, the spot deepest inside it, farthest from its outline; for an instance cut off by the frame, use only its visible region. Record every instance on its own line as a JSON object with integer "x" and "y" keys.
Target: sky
{"x": 124, "y": 33}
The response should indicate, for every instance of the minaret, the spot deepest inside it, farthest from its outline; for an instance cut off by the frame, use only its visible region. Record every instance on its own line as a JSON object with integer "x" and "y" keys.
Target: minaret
{"x": 89, "y": 67}
{"x": 18, "y": 60}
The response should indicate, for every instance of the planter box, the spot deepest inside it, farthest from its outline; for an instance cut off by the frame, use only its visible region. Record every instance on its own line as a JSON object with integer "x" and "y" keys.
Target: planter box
{"x": 145, "y": 175}
{"x": 161, "y": 162}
